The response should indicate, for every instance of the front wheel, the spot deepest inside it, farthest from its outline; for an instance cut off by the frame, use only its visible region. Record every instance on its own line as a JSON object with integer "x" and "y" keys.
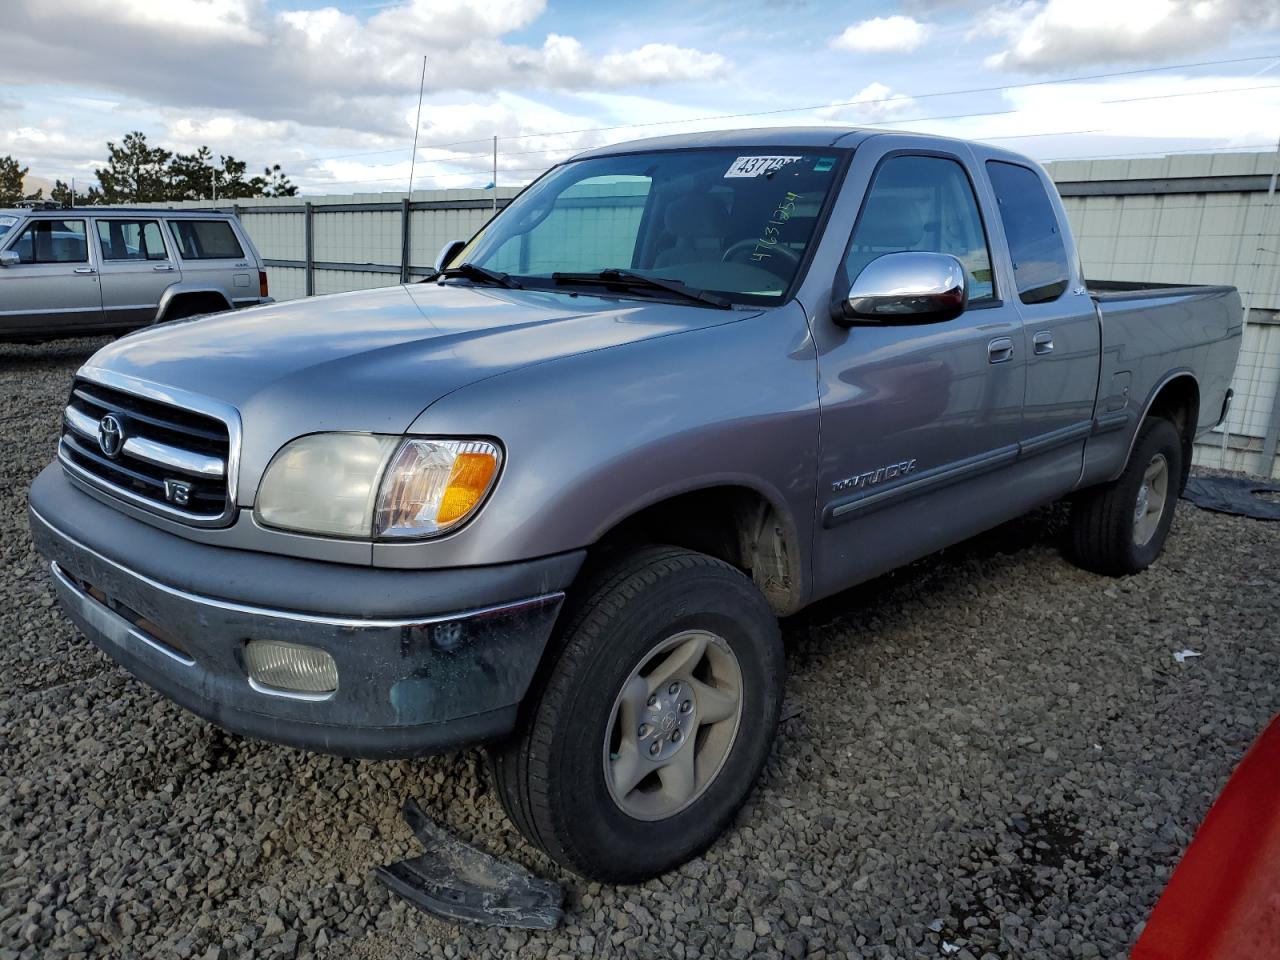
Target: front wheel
{"x": 652, "y": 720}
{"x": 1120, "y": 528}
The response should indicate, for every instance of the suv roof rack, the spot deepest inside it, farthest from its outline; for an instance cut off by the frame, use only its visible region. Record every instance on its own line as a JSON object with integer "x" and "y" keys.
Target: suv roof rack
{"x": 46, "y": 206}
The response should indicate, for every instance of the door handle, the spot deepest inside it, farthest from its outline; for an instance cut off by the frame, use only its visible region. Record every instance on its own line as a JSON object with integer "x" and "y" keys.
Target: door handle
{"x": 1042, "y": 342}
{"x": 85, "y": 270}
{"x": 163, "y": 266}
{"x": 1000, "y": 350}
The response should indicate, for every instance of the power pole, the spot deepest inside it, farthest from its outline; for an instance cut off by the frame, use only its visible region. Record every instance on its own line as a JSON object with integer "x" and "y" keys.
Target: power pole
{"x": 495, "y": 173}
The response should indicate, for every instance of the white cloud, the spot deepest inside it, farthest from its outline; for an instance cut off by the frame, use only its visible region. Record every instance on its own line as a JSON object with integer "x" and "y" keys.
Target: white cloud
{"x": 1054, "y": 34}
{"x": 321, "y": 67}
{"x": 874, "y": 103}
{"x": 896, "y": 34}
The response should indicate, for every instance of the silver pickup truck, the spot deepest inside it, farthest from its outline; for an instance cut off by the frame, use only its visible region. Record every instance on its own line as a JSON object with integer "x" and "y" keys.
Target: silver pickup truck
{"x": 70, "y": 273}
{"x": 555, "y": 498}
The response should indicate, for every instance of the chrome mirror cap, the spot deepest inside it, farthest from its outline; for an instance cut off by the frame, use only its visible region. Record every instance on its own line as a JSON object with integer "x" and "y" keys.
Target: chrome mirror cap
{"x": 907, "y": 287}
{"x": 10, "y": 258}
{"x": 448, "y": 252}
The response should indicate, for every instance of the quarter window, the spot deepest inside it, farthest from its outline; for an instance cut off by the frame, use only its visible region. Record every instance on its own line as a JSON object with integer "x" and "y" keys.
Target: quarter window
{"x": 52, "y": 241}
{"x": 131, "y": 240}
{"x": 1040, "y": 267}
{"x": 925, "y": 204}
{"x": 206, "y": 240}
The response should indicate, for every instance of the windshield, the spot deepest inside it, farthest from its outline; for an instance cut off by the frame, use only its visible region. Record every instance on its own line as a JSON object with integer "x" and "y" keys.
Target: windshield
{"x": 6, "y": 223}
{"x": 733, "y": 222}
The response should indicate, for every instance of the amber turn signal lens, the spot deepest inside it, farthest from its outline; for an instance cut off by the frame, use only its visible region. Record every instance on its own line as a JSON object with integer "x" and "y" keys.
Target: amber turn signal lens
{"x": 467, "y": 485}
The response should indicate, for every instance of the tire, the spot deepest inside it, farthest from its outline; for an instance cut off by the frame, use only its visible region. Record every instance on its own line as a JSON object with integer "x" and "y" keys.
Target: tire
{"x": 1106, "y": 535}
{"x": 559, "y": 777}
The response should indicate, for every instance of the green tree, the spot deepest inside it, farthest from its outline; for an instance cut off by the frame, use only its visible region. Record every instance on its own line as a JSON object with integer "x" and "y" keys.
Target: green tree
{"x": 135, "y": 172}
{"x": 191, "y": 175}
{"x": 231, "y": 182}
{"x": 140, "y": 173}
{"x": 11, "y": 176}
{"x": 61, "y": 195}
{"x": 276, "y": 183}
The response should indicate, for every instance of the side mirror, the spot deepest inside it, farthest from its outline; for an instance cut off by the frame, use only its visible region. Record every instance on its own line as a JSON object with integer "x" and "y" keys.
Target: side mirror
{"x": 448, "y": 252}
{"x": 9, "y": 258}
{"x": 907, "y": 287}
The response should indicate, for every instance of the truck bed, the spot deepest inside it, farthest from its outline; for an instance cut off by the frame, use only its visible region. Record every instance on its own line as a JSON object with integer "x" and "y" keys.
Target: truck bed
{"x": 1110, "y": 291}
{"x": 1153, "y": 333}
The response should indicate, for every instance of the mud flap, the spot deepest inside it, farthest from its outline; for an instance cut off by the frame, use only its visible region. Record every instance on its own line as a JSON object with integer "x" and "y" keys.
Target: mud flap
{"x": 455, "y": 881}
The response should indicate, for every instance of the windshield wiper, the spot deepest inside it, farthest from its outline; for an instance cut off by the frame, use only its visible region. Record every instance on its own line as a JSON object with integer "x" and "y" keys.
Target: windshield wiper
{"x": 614, "y": 277}
{"x": 478, "y": 274}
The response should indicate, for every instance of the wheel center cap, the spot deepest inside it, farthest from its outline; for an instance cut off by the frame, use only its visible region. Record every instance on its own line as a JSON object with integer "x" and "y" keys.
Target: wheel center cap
{"x": 1144, "y": 496}
{"x": 669, "y": 721}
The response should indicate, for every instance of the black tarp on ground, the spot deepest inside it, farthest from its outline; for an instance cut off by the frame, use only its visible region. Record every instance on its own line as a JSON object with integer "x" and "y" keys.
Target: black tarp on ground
{"x": 1237, "y": 495}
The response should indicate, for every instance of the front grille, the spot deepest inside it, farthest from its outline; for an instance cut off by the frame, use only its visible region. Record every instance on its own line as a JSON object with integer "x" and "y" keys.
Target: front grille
{"x": 170, "y": 459}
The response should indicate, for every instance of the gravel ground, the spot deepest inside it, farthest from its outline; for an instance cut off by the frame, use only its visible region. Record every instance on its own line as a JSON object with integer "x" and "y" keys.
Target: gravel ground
{"x": 992, "y": 750}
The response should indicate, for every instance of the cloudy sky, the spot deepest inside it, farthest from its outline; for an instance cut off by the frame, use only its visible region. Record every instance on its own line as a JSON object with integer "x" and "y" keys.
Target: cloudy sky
{"x": 329, "y": 90}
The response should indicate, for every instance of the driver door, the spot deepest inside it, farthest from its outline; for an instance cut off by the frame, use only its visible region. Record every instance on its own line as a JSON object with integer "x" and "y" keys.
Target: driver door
{"x": 918, "y": 421}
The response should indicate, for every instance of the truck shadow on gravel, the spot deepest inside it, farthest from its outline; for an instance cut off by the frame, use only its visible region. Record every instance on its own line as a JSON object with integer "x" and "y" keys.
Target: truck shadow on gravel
{"x": 940, "y": 572}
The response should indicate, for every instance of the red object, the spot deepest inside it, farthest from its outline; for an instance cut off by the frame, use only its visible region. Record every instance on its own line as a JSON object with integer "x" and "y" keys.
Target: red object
{"x": 1223, "y": 900}
{"x": 262, "y": 283}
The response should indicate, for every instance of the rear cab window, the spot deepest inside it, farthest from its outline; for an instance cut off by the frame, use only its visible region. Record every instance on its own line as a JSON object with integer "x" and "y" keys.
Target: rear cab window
{"x": 206, "y": 240}
{"x": 1041, "y": 268}
{"x": 52, "y": 241}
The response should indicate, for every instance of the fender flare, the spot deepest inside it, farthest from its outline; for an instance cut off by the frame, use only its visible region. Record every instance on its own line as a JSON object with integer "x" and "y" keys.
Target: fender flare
{"x": 180, "y": 289}
{"x": 1146, "y": 411}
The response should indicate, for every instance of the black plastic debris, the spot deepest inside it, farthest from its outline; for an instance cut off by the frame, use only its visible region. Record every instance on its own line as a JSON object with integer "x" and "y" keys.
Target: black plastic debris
{"x": 1237, "y": 495}
{"x": 455, "y": 881}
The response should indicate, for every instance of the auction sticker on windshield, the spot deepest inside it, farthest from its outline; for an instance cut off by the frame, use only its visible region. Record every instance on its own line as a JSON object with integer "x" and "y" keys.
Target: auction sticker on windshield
{"x": 758, "y": 166}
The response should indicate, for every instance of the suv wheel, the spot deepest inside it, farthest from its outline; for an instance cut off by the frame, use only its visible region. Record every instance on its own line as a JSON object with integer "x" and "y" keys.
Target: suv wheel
{"x": 651, "y": 720}
{"x": 1120, "y": 528}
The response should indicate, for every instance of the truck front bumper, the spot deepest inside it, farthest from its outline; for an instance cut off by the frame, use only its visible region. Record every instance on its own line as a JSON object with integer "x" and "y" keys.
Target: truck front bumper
{"x": 427, "y": 661}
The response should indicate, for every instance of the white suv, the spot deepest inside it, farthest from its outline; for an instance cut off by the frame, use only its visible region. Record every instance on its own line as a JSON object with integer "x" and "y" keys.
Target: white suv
{"x": 101, "y": 269}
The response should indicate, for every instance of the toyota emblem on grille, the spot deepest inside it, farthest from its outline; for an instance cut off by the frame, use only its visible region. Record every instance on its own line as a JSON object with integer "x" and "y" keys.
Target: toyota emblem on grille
{"x": 110, "y": 435}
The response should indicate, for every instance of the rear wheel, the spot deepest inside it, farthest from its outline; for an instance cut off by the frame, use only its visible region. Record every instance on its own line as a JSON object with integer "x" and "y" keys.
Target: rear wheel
{"x": 1120, "y": 528}
{"x": 650, "y": 722}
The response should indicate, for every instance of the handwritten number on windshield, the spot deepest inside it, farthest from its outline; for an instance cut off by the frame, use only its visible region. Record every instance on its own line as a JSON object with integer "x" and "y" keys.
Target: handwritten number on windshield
{"x": 781, "y": 214}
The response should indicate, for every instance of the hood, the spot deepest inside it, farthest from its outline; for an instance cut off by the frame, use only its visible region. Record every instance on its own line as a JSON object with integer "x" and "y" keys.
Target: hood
{"x": 373, "y": 360}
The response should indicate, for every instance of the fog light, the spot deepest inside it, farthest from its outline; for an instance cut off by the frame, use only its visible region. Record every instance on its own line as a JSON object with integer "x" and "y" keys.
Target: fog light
{"x": 290, "y": 667}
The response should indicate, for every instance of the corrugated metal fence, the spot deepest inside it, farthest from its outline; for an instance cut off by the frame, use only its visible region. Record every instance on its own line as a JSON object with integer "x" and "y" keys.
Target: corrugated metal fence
{"x": 1205, "y": 218}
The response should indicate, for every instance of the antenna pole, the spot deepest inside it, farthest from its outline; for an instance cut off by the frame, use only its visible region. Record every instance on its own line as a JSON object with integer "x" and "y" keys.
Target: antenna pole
{"x": 417, "y": 122}
{"x": 495, "y": 173}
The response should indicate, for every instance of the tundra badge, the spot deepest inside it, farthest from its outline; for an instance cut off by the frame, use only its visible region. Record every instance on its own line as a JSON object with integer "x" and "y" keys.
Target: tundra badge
{"x": 872, "y": 477}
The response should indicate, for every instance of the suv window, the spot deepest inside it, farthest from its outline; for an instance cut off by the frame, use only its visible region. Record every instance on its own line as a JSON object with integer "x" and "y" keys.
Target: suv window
{"x": 131, "y": 240}
{"x": 1041, "y": 269}
{"x": 928, "y": 204}
{"x": 6, "y": 224}
{"x": 52, "y": 241}
{"x": 206, "y": 240}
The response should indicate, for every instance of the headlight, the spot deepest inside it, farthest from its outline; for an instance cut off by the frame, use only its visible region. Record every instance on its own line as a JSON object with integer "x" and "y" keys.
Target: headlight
{"x": 362, "y": 485}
